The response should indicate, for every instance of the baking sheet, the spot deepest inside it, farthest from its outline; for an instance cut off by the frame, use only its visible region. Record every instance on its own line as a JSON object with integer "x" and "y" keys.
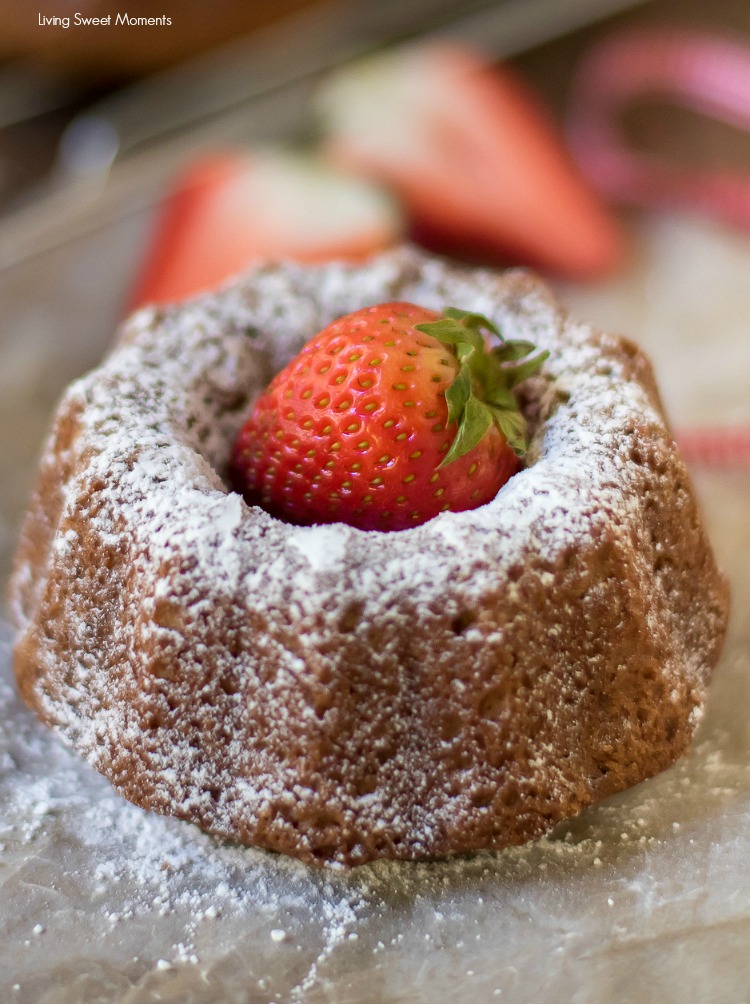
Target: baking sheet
{"x": 645, "y": 898}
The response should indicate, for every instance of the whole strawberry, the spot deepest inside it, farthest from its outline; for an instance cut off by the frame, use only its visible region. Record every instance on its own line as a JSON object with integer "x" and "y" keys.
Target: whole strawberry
{"x": 386, "y": 418}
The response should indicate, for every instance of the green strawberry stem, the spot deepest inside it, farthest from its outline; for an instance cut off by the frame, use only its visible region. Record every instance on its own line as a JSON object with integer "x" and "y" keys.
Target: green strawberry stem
{"x": 481, "y": 394}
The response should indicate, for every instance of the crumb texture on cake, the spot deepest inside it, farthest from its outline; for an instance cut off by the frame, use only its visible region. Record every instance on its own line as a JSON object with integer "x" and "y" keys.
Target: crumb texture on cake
{"x": 343, "y": 695}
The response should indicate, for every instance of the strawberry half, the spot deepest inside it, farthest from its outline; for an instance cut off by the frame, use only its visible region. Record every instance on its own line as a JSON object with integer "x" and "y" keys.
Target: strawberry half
{"x": 386, "y": 418}
{"x": 230, "y": 209}
{"x": 475, "y": 161}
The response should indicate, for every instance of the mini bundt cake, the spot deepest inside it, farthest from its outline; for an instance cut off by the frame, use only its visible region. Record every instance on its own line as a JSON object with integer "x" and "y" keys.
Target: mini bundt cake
{"x": 339, "y": 694}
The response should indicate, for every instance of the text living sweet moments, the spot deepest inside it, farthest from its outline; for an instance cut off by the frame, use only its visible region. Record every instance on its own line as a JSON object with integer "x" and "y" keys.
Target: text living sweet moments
{"x": 106, "y": 20}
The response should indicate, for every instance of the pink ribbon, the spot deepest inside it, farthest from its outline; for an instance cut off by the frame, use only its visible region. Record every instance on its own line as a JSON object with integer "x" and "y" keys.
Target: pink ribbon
{"x": 724, "y": 448}
{"x": 705, "y": 73}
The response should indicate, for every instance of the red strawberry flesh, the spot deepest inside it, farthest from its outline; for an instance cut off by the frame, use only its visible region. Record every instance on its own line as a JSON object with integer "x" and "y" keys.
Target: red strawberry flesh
{"x": 354, "y": 430}
{"x": 227, "y": 210}
{"x": 472, "y": 156}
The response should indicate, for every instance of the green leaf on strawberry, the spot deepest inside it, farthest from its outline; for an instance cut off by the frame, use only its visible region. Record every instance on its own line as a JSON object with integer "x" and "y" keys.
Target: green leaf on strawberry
{"x": 481, "y": 395}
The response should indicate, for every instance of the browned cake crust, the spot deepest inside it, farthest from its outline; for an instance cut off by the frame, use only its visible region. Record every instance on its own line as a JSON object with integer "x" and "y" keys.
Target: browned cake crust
{"x": 343, "y": 695}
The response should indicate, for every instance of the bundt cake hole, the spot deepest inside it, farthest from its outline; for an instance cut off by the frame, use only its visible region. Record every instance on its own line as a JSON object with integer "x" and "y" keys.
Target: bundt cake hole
{"x": 644, "y": 716}
{"x": 229, "y": 686}
{"x": 323, "y": 673}
{"x": 462, "y": 621}
{"x": 461, "y": 758}
{"x": 451, "y": 726}
{"x": 366, "y": 785}
{"x": 350, "y": 618}
{"x": 172, "y": 703}
{"x": 663, "y": 565}
{"x": 515, "y": 572}
{"x": 322, "y": 701}
{"x": 163, "y": 668}
{"x": 319, "y": 853}
{"x": 324, "y": 818}
{"x": 492, "y": 703}
{"x": 482, "y": 798}
{"x": 525, "y": 682}
{"x": 235, "y": 648}
{"x": 671, "y": 727}
{"x": 510, "y": 797}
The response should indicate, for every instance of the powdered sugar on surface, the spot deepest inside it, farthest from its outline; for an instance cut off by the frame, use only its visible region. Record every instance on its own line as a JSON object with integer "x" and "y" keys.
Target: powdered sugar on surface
{"x": 104, "y": 902}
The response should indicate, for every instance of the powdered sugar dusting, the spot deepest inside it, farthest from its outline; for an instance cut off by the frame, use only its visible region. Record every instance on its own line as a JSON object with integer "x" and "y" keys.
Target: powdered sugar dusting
{"x": 323, "y": 546}
{"x": 320, "y": 690}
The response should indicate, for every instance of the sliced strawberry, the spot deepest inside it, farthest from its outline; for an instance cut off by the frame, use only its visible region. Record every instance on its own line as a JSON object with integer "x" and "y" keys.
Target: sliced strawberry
{"x": 473, "y": 157}
{"x": 229, "y": 209}
{"x": 386, "y": 418}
